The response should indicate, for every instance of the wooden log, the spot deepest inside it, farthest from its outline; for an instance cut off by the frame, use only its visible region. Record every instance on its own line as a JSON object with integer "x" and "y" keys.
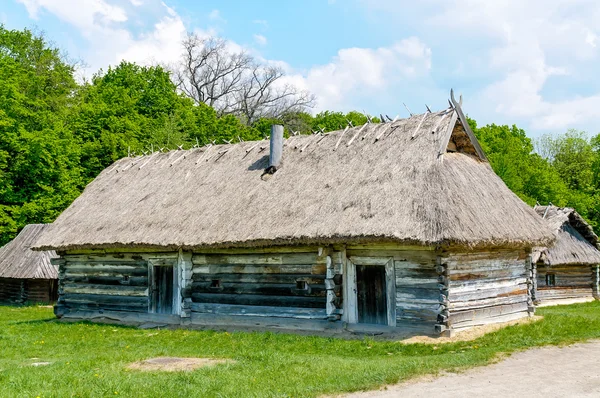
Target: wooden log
{"x": 261, "y": 311}
{"x": 390, "y": 246}
{"x": 486, "y": 312}
{"x": 506, "y": 273}
{"x": 416, "y": 294}
{"x": 259, "y": 269}
{"x": 490, "y": 320}
{"x": 488, "y": 293}
{"x": 118, "y": 279}
{"x": 250, "y": 259}
{"x": 471, "y": 286}
{"x": 101, "y": 269}
{"x": 271, "y": 289}
{"x": 409, "y": 258}
{"x": 112, "y": 290}
{"x": 104, "y": 298}
{"x": 487, "y": 302}
{"x": 260, "y": 278}
{"x": 420, "y": 314}
{"x": 261, "y": 300}
{"x": 257, "y": 250}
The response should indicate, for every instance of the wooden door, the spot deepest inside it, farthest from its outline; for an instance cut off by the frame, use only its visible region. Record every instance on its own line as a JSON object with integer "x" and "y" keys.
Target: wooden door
{"x": 162, "y": 290}
{"x": 371, "y": 294}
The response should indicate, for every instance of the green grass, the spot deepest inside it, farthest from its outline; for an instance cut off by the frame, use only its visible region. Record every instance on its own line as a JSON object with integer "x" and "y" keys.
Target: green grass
{"x": 90, "y": 360}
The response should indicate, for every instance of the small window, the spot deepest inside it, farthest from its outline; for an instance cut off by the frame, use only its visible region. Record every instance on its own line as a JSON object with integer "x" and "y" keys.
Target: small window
{"x": 550, "y": 280}
{"x": 301, "y": 285}
{"x": 215, "y": 283}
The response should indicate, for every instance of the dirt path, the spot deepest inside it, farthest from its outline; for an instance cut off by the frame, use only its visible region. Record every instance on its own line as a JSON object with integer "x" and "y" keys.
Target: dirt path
{"x": 572, "y": 371}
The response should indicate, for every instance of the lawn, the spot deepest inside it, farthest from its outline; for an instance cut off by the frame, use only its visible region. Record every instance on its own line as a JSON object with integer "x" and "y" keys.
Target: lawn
{"x": 90, "y": 360}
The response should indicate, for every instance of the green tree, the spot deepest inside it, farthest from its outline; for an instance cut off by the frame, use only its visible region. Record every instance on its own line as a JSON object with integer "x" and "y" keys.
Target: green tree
{"x": 526, "y": 173}
{"x": 39, "y": 170}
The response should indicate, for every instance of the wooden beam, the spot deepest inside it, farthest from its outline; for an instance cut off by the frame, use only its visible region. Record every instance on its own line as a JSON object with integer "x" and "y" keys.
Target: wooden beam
{"x": 464, "y": 122}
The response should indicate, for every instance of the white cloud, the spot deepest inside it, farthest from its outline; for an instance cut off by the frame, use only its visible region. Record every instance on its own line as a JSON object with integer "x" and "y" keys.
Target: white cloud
{"x": 109, "y": 37}
{"x": 81, "y": 14}
{"x": 136, "y": 3}
{"x": 260, "y": 40}
{"x": 360, "y": 72}
{"x": 516, "y": 54}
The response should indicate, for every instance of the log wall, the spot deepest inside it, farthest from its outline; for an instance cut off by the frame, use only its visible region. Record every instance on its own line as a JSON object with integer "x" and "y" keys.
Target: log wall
{"x": 20, "y": 291}
{"x": 571, "y": 282}
{"x": 482, "y": 288}
{"x": 101, "y": 281}
{"x": 283, "y": 283}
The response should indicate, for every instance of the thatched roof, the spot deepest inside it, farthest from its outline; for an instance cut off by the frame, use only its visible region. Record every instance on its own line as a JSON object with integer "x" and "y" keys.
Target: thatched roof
{"x": 380, "y": 182}
{"x": 576, "y": 242}
{"x": 17, "y": 260}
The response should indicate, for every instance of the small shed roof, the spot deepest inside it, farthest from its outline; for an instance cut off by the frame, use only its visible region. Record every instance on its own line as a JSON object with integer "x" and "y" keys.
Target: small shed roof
{"x": 17, "y": 260}
{"x": 576, "y": 242}
{"x": 394, "y": 182}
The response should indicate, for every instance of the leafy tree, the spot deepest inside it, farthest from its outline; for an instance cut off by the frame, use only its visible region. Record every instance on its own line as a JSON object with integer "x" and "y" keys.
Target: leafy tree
{"x": 39, "y": 170}
{"x": 525, "y": 172}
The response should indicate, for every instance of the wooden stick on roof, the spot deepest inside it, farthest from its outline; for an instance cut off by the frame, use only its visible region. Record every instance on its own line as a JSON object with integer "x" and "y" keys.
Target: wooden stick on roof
{"x": 208, "y": 147}
{"x": 357, "y": 133}
{"x": 341, "y": 136}
{"x": 414, "y": 134}
{"x": 384, "y": 130}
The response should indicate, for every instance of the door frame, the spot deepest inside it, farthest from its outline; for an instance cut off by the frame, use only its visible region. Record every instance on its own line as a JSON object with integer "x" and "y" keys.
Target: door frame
{"x": 173, "y": 264}
{"x": 351, "y": 291}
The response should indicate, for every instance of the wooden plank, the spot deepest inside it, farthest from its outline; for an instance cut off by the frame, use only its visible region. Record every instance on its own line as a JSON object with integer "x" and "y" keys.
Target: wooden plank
{"x": 404, "y": 293}
{"x": 492, "y": 320}
{"x": 487, "y": 293}
{"x": 250, "y": 259}
{"x": 260, "y": 278}
{"x": 256, "y": 250}
{"x": 487, "y": 274}
{"x": 487, "y": 302}
{"x": 486, "y": 312}
{"x": 390, "y": 278}
{"x": 361, "y": 260}
{"x": 259, "y": 269}
{"x": 350, "y": 288}
{"x": 413, "y": 257}
{"x": 117, "y": 279}
{"x": 389, "y": 246}
{"x": 420, "y": 314}
{"x": 100, "y": 299}
{"x": 113, "y": 290}
{"x": 416, "y": 282}
{"x": 260, "y": 311}
{"x": 261, "y": 300}
{"x": 470, "y": 286}
{"x": 271, "y": 289}
{"x": 105, "y": 269}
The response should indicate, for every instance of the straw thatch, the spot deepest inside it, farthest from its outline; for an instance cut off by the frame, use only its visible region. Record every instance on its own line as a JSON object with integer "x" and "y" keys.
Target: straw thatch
{"x": 388, "y": 182}
{"x": 576, "y": 242}
{"x": 17, "y": 260}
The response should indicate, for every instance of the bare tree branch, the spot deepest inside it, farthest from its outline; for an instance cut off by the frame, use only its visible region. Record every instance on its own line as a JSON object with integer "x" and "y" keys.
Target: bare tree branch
{"x": 234, "y": 83}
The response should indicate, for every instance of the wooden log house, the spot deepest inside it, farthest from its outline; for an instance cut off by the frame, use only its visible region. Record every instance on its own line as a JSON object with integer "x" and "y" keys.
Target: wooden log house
{"x": 394, "y": 227}
{"x": 567, "y": 271}
{"x": 27, "y": 275}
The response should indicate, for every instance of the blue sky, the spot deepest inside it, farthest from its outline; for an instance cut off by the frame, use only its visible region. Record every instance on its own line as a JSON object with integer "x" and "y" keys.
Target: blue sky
{"x": 531, "y": 63}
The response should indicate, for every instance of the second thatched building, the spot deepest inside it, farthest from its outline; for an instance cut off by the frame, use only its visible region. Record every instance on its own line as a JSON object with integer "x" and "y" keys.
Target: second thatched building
{"x": 567, "y": 271}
